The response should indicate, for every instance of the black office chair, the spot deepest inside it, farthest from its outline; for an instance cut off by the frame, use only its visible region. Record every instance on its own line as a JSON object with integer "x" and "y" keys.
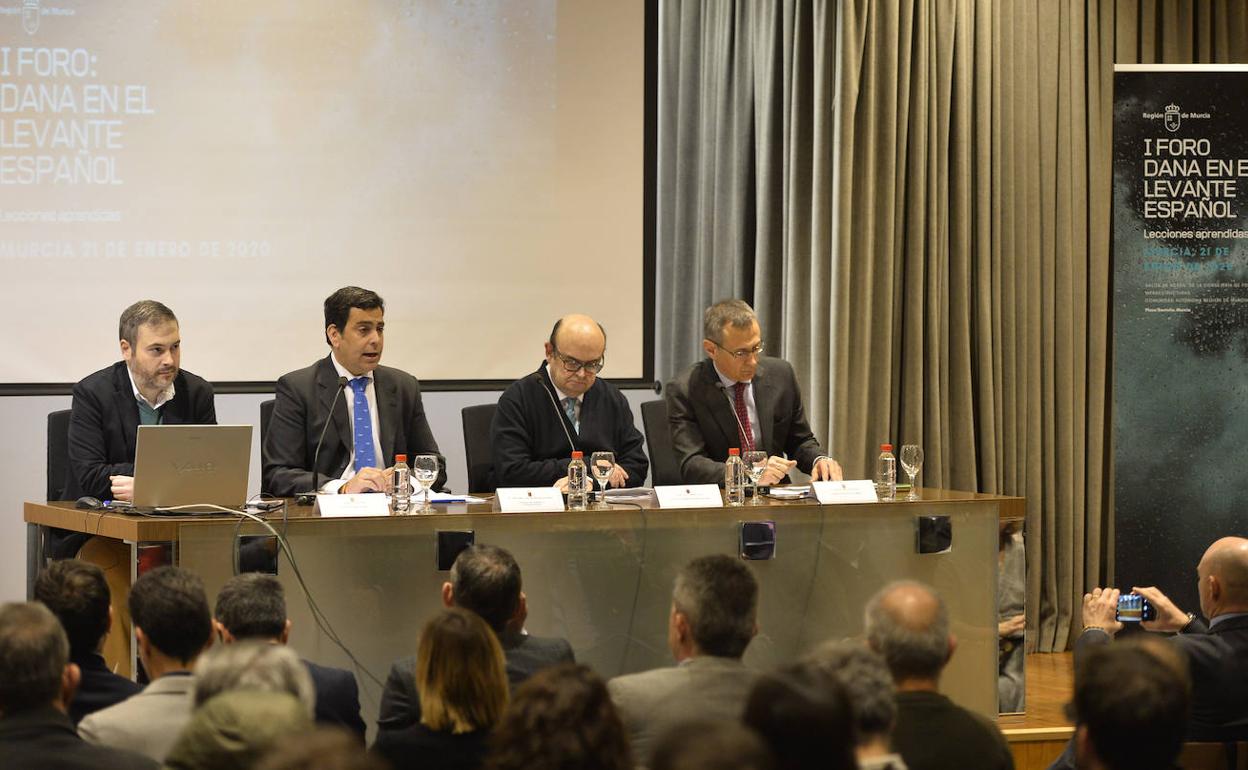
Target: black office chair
{"x": 477, "y": 449}
{"x": 663, "y": 466}
{"x": 58, "y": 454}
{"x": 266, "y": 414}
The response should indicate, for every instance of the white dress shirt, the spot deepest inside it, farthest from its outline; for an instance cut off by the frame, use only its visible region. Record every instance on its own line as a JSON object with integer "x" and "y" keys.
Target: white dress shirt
{"x": 370, "y": 394}
{"x": 164, "y": 397}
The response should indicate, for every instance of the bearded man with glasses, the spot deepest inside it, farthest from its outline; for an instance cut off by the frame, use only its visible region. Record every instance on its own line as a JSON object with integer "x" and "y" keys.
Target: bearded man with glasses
{"x": 564, "y": 406}
{"x": 737, "y": 397}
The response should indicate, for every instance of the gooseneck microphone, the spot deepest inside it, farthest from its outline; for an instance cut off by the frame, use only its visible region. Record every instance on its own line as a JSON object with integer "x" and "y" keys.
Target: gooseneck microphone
{"x": 559, "y": 413}
{"x": 732, "y": 407}
{"x": 316, "y": 456}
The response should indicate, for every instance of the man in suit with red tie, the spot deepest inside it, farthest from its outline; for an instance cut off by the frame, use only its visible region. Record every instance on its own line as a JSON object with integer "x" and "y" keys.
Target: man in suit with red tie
{"x": 737, "y": 397}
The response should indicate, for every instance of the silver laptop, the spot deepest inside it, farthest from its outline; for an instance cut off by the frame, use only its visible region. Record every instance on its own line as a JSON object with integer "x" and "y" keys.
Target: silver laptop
{"x": 191, "y": 464}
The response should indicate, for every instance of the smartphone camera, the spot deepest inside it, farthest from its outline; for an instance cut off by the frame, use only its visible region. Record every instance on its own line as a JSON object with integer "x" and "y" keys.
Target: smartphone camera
{"x": 1133, "y": 608}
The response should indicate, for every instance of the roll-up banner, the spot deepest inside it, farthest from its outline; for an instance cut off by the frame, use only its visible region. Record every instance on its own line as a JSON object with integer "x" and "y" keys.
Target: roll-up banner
{"x": 1180, "y": 320}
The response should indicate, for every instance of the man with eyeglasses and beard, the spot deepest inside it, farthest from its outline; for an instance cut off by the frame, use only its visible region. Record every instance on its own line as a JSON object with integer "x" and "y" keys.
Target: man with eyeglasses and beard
{"x": 737, "y": 397}
{"x": 562, "y": 407}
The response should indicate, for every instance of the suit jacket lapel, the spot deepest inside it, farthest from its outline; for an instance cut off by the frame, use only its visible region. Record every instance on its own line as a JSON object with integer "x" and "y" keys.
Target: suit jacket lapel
{"x": 765, "y": 405}
{"x": 387, "y": 393}
{"x": 127, "y": 407}
{"x": 716, "y": 396}
{"x": 327, "y": 386}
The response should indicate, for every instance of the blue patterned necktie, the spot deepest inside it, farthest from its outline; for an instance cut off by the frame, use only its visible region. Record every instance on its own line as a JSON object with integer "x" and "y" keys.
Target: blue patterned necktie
{"x": 365, "y": 457}
{"x": 569, "y": 407}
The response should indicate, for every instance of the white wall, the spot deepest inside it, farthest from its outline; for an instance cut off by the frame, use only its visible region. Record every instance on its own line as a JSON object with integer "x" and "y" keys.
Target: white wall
{"x": 23, "y": 455}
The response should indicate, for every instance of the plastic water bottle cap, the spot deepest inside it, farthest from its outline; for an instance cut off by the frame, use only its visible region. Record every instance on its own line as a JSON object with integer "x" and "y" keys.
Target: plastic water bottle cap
{"x": 886, "y": 447}
{"x": 576, "y": 455}
{"x": 400, "y": 458}
{"x": 734, "y": 452}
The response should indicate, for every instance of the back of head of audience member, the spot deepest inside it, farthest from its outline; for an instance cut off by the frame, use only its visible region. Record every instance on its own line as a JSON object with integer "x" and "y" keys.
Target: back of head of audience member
{"x": 714, "y": 608}
{"x": 461, "y": 675}
{"x": 1130, "y": 706}
{"x": 1223, "y": 574}
{"x": 78, "y": 595}
{"x": 562, "y": 718}
{"x": 234, "y": 729}
{"x": 711, "y": 745}
{"x": 805, "y": 717}
{"x": 908, "y": 624}
{"x": 35, "y": 671}
{"x": 867, "y": 682}
{"x": 252, "y": 606}
{"x": 486, "y": 580}
{"x": 253, "y": 666}
{"x": 325, "y": 748}
{"x": 172, "y": 622}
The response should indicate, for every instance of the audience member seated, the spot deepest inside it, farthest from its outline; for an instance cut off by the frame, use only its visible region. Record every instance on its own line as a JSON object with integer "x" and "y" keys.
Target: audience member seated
{"x": 908, "y": 624}
{"x": 78, "y": 595}
{"x": 172, "y": 626}
{"x": 325, "y": 748}
{"x": 37, "y": 683}
{"x": 707, "y": 744}
{"x": 461, "y": 679}
{"x": 1130, "y": 707}
{"x": 561, "y": 719}
{"x": 805, "y": 717}
{"x": 1216, "y": 653}
{"x": 712, "y": 620}
{"x": 484, "y": 579}
{"x": 252, "y": 607}
{"x": 248, "y": 696}
{"x": 864, "y": 675}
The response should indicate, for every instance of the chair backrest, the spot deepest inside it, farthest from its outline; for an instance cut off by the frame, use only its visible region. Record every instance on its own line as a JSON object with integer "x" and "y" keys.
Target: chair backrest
{"x": 1196, "y": 755}
{"x": 266, "y": 414}
{"x": 58, "y": 453}
{"x": 477, "y": 450}
{"x": 663, "y": 466}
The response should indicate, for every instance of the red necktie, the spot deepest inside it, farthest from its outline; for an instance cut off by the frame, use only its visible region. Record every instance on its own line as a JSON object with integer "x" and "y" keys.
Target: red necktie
{"x": 745, "y": 433}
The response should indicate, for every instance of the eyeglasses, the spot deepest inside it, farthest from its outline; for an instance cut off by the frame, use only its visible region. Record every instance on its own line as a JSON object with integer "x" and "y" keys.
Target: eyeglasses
{"x": 572, "y": 365}
{"x": 744, "y": 353}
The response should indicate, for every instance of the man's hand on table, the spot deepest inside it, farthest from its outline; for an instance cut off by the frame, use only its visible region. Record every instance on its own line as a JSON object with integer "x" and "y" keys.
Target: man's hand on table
{"x": 367, "y": 480}
{"x": 826, "y": 469}
{"x": 123, "y": 487}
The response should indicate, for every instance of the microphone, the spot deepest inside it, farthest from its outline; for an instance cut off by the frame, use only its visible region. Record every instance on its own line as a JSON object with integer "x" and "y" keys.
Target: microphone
{"x": 733, "y": 408}
{"x": 558, "y": 412}
{"x": 316, "y": 456}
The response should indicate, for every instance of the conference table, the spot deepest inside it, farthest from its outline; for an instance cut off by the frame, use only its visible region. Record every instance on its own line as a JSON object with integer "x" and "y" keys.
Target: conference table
{"x": 600, "y": 578}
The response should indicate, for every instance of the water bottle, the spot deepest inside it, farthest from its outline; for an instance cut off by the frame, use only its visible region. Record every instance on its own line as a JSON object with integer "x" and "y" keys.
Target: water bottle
{"x": 578, "y": 483}
{"x": 734, "y": 478}
{"x": 401, "y": 497}
{"x": 886, "y": 474}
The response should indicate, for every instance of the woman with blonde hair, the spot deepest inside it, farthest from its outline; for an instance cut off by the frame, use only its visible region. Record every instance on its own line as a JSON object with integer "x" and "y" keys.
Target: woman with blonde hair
{"x": 461, "y": 678}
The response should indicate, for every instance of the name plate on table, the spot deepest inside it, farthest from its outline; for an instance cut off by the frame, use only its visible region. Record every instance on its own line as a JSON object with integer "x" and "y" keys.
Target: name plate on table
{"x": 352, "y": 506}
{"x": 854, "y": 491}
{"x": 689, "y": 496}
{"x": 529, "y": 499}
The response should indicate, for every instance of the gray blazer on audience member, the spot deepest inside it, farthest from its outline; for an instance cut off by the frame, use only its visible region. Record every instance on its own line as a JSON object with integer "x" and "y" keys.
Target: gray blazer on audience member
{"x": 148, "y": 722}
{"x": 526, "y": 655}
{"x": 705, "y": 687}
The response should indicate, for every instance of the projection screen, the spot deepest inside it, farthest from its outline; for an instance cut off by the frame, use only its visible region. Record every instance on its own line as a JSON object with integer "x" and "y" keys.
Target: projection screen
{"x": 479, "y": 164}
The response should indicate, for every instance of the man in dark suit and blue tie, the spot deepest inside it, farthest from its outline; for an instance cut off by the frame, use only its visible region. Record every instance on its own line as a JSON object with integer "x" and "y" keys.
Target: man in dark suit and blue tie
{"x": 737, "y": 397}
{"x": 379, "y": 413}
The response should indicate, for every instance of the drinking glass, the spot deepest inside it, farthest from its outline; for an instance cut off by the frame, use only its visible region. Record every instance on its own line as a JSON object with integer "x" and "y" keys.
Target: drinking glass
{"x": 425, "y": 471}
{"x": 601, "y": 464}
{"x": 755, "y": 462}
{"x": 912, "y": 463}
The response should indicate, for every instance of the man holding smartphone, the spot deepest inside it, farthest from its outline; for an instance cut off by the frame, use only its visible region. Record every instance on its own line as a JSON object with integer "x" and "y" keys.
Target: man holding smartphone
{"x": 1216, "y": 652}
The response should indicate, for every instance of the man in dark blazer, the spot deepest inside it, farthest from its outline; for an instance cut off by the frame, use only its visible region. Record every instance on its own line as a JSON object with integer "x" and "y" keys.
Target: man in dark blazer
{"x": 39, "y": 683}
{"x": 252, "y": 606}
{"x": 486, "y": 580}
{"x": 379, "y": 413}
{"x": 1216, "y": 653}
{"x": 147, "y": 387}
{"x": 78, "y": 595}
{"x": 739, "y": 398}
{"x": 564, "y": 406}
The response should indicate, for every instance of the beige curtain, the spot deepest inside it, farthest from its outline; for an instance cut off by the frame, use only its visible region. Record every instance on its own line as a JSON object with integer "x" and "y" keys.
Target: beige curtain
{"x": 973, "y": 257}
